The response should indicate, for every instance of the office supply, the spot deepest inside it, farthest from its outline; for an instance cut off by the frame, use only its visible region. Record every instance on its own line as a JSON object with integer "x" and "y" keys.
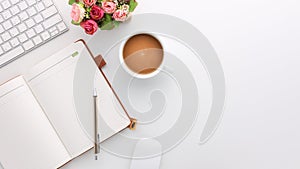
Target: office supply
{"x": 100, "y": 62}
{"x": 39, "y": 107}
{"x": 97, "y": 136}
{"x": 25, "y": 25}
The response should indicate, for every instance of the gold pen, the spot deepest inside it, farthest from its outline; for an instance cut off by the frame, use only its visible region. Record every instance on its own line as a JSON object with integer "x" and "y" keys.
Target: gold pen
{"x": 97, "y": 136}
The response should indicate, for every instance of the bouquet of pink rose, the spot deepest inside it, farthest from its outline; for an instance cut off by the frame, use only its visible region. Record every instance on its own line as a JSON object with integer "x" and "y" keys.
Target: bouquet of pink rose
{"x": 103, "y": 14}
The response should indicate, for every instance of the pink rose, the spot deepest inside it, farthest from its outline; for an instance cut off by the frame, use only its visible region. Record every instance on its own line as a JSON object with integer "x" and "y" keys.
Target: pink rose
{"x": 109, "y": 7}
{"x": 119, "y": 15}
{"x": 89, "y": 2}
{"x": 77, "y": 13}
{"x": 90, "y": 26}
{"x": 96, "y": 13}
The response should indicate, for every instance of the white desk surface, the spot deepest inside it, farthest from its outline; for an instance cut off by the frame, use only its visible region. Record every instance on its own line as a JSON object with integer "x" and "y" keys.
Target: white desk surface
{"x": 258, "y": 44}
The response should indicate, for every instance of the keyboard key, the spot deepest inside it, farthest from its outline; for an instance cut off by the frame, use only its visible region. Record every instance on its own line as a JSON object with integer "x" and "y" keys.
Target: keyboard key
{"x": 49, "y": 12}
{"x": 14, "y": 32}
{"x": 14, "y": 42}
{"x": 40, "y": 6}
{"x": 31, "y": 11}
{"x": 31, "y": 2}
{"x": 23, "y": 5}
{"x": 28, "y": 45}
{"x": 38, "y": 29}
{"x": 6, "y": 14}
{"x": 6, "y": 4}
{"x": 30, "y": 33}
{"x": 22, "y": 27}
{"x": 29, "y": 23}
{"x": 7, "y": 25}
{"x": 37, "y": 40}
{"x": 5, "y": 36}
{"x": 6, "y": 46}
{"x": 11, "y": 54}
{"x": 22, "y": 38}
{"x": 38, "y": 18}
{"x": 48, "y": 3}
{"x": 52, "y": 29}
{"x": 45, "y": 35}
{"x": 52, "y": 21}
{"x": 23, "y": 16}
{"x": 14, "y": 10}
{"x": 15, "y": 20}
{"x": 54, "y": 33}
{"x": 61, "y": 26}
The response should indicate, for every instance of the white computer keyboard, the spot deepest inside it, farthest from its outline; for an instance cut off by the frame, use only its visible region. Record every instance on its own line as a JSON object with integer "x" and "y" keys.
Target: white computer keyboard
{"x": 25, "y": 25}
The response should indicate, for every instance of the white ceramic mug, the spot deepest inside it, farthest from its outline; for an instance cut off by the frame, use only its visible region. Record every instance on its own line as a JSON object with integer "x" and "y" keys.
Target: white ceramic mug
{"x": 128, "y": 70}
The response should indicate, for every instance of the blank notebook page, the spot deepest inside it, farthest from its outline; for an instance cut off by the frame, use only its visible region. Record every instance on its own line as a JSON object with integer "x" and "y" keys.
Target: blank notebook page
{"x": 28, "y": 140}
{"x": 52, "y": 82}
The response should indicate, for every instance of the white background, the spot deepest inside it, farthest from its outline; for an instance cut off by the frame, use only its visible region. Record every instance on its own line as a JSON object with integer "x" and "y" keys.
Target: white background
{"x": 257, "y": 42}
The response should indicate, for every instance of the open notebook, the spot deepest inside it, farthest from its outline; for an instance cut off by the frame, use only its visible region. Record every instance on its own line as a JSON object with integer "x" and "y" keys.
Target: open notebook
{"x": 46, "y": 115}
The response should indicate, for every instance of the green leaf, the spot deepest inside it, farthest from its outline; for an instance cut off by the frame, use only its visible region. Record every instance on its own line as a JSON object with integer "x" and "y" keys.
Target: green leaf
{"x": 107, "y": 17}
{"x": 88, "y": 10}
{"x": 71, "y": 2}
{"x": 75, "y": 23}
{"x": 110, "y": 25}
{"x": 132, "y": 5}
{"x": 107, "y": 22}
{"x": 116, "y": 23}
{"x": 107, "y": 26}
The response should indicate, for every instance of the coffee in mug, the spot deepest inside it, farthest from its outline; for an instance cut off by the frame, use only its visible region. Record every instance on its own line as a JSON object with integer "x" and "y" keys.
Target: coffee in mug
{"x": 143, "y": 55}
